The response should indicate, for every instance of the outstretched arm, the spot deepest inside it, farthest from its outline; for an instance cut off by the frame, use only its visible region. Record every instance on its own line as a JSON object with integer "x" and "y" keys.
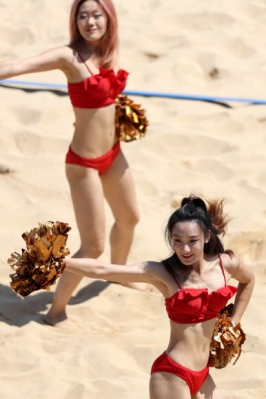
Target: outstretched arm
{"x": 46, "y": 61}
{"x": 246, "y": 280}
{"x": 146, "y": 272}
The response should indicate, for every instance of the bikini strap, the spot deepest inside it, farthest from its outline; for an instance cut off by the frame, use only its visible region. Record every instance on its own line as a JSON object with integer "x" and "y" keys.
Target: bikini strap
{"x": 177, "y": 282}
{"x": 84, "y": 62}
{"x": 222, "y": 267}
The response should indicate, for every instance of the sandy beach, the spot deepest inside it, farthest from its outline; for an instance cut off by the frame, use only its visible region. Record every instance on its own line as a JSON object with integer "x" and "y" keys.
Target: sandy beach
{"x": 213, "y": 149}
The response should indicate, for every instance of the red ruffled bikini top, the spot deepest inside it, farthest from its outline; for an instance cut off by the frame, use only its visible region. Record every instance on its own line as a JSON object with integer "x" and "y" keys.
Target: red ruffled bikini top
{"x": 99, "y": 90}
{"x": 195, "y": 305}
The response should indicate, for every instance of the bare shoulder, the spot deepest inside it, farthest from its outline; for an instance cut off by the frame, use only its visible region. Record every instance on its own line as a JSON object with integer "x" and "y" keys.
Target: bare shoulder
{"x": 69, "y": 61}
{"x": 230, "y": 261}
{"x": 54, "y": 58}
{"x": 153, "y": 268}
{"x": 66, "y": 52}
{"x": 63, "y": 53}
{"x": 160, "y": 277}
{"x": 63, "y": 57}
{"x": 237, "y": 268}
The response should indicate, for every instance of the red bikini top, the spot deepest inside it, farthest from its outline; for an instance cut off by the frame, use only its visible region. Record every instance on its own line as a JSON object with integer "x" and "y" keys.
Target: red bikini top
{"x": 195, "y": 305}
{"x": 99, "y": 90}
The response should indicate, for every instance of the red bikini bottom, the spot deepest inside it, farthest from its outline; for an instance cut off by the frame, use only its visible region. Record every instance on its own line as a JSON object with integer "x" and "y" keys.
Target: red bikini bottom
{"x": 194, "y": 379}
{"x": 102, "y": 163}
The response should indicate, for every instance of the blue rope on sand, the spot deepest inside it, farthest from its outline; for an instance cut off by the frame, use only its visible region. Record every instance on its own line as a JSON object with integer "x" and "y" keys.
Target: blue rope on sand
{"x": 35, "y": 84}
{"x": 216, "y": 99}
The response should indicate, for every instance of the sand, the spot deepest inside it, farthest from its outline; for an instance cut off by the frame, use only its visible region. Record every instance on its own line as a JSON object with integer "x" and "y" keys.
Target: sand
{"x": 172, "y": 46}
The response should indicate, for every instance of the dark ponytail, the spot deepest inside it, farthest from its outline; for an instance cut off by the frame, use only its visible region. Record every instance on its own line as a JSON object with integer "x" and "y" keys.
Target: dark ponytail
{"x": 219, "y": 222}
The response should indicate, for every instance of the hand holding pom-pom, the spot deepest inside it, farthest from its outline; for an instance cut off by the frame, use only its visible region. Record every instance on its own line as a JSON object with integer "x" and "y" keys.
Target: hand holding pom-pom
{"x": 42, "y": 262}
{"x": 130, "y": 120}
{"x": 226, "y": 340}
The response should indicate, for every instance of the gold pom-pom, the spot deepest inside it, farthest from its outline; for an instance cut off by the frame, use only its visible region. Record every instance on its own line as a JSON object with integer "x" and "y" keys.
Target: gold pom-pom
{"x": 42, "y": 262}
{"x": 130, "y": 120}
{"x": 226, "y": 340}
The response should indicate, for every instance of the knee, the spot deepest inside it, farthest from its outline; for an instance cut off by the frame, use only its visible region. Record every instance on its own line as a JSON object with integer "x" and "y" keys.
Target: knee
{"x": 130, "y": 220}
{"x": 135, "y": 218}
{"x": 89, "y": 250}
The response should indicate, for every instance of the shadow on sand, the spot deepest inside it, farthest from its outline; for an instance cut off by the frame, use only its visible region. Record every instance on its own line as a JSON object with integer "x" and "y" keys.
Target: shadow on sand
{"x": 18, "y": 311}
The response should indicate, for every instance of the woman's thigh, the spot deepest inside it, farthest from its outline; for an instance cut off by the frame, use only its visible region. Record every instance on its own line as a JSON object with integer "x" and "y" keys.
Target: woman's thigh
{"x": 208, "y": 390}
{"x": 168, "y": 386}
{"x": 119, "y": 190}
{"x": 88, "y": 202}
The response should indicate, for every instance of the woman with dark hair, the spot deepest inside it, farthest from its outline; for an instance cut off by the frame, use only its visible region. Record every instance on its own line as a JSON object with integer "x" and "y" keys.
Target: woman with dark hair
{"x": 96, "y": 167}
{"x": 194, "y": 283}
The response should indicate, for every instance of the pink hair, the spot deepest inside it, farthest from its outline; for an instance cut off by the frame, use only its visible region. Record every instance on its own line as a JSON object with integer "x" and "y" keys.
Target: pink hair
{"x": 107, "y": 50}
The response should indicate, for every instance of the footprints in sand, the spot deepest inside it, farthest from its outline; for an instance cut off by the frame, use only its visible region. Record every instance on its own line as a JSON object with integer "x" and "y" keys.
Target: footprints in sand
{"x": 29, "y": 144}
{"x": 13, "y": 36}
{"x": 205, "y": 21}
{"x": 215, "y": 168}
{"x": 26, "y": 115}
{"x": 171, "y": 146}
{"x": 238, "y": 48}
{"x": 254, "y": 245}
{"x": 262, "y": 178}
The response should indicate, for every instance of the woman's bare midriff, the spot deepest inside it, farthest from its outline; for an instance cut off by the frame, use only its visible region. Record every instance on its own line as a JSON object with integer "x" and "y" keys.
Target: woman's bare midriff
{"x": 189, "y": 343}
{"x": 94, "y": 133}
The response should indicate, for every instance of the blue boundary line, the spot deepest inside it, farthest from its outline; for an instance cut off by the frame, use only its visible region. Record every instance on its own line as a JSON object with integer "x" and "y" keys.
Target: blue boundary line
{"x": 55, "y": 86}
{"x": 35, "y": 84}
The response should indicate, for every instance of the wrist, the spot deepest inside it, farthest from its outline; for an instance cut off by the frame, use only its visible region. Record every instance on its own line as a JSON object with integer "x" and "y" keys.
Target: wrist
{"x": 233, "y": 324}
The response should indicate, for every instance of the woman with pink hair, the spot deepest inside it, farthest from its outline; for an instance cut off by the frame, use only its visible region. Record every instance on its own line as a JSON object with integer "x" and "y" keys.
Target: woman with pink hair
{"x": 96, "y": 168}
